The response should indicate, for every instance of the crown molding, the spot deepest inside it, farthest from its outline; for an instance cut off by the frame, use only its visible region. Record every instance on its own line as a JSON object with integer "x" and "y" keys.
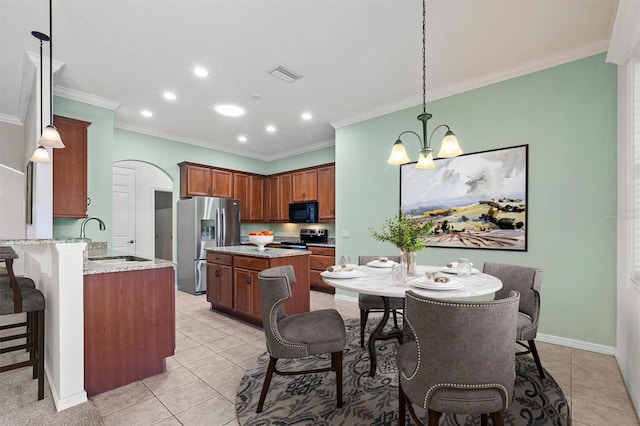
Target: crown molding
{"x": 227, "y": 149}
{"x": 30, "y": 64}
{"x": 625, "y": 38}
{"x": 76, "y": 95}
{"x": 465, "y": 86}
{"x": 11, "y": 119}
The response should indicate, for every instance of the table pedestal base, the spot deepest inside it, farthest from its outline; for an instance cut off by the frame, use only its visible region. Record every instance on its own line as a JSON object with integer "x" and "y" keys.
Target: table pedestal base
{"x": 379, "y": 334}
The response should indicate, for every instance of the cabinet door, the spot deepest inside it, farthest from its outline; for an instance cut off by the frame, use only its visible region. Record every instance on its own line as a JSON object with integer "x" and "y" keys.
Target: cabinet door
{"x": 326, "y": 193}
{"x": 225, "y": 286}
{"x": 305, "y": 185}
{"x": 285, "y": 196}
{"x": 194, "y": 180}
{"x": 213, "y": 286}
{"x": 221, "y": 183}
{"x": 243, "y": 290}
{"x": 273, "y": 200}
{"x": 70, "y": 169}
{"x": 256, "y": 203}
{"x": 241, "y": 191}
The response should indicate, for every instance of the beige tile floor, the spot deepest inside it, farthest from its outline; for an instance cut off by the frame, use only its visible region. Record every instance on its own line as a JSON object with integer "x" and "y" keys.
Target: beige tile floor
{"x": 213, "y": 351}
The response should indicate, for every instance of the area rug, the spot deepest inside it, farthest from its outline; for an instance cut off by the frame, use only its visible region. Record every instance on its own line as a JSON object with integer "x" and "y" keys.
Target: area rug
{"x": 310, "y": 399}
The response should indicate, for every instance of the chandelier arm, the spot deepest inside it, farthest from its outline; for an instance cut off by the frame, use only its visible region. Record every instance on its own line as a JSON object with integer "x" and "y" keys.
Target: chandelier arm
{"x": 414, "y": 133}
{"x": 436, "y": 128}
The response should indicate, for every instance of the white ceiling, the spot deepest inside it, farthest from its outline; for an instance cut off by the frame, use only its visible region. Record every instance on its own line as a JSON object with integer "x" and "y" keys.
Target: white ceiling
{"x": 358, "y": 59}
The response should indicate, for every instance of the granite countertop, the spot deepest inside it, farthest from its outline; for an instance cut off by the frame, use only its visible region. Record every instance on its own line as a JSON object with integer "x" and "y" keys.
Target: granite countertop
{"x": 42, "y": 241}
{"x": 251, "y": 250}
{"x": 91, "y": 267}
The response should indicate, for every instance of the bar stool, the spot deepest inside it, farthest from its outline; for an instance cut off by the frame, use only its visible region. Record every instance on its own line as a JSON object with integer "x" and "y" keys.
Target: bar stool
{"x": 18, "y": 296}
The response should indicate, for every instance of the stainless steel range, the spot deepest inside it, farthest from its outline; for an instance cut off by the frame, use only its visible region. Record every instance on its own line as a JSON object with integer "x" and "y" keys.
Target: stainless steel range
{"x": 307, "y": 236}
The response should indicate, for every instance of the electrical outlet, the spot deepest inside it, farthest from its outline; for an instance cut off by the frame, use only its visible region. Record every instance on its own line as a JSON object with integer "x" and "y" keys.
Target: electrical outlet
{"x": 345, "y": 233}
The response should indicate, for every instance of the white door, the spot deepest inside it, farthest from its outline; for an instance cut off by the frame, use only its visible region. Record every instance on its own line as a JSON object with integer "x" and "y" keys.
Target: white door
{"x": 124, "y": 211}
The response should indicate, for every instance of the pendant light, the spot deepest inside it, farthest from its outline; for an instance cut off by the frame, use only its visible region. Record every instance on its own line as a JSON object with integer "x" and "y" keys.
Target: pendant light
{"x": 40, "y": 155}
{"x": 50, "y": 136}
{"x": 449, "y": 148}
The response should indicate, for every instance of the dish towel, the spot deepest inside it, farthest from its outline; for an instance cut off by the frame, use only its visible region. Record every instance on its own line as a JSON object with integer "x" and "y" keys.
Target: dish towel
{"x": 341, "y": 268}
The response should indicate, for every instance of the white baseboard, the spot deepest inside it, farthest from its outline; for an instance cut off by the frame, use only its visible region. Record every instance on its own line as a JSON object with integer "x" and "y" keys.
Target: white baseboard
{"x": 68, "y": 402}
{"x": 547, "y": 338}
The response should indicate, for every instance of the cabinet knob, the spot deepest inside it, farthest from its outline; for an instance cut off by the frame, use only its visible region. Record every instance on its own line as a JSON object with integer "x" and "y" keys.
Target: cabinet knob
{"x": 132, "y": 241}
{"x": 217, "y": 272}
{"x": 248, "y": 279}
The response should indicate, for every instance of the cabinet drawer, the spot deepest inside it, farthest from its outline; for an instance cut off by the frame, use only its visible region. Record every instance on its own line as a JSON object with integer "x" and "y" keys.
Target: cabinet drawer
{"x": 320, "y": 263}
{"x": 324, "y": 251}
{"x": 250, "y": 263}
{"x": 223, "y": 259}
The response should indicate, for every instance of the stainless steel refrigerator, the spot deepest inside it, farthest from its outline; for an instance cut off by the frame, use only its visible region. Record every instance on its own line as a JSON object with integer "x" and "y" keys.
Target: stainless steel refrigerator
{"x": 203, "y": 222}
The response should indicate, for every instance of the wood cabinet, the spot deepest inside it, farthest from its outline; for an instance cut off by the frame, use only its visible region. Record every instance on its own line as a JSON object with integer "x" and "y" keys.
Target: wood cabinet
{"x": 220, "y": 279}
{"x": 249, "y": 189}
{"x": 279, "y": 197}
{"x": 200, "y": 180}
{"x": 320, "y": 259}
{"x": 327, "y": 193}
{"x": 245, "y": 285}
{"x": 305, "y": 185}
{"x": 70, "y": 169}
{"x": 129, "y": 326}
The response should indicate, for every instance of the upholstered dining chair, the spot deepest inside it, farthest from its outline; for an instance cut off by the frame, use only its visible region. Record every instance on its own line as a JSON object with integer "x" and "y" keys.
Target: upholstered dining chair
{"x": 18, "y": 295}
{"x": 465, "y": 364}
{"x": 300, "y": 335}
{"x": 527, "y": 282}
{"x": 369, "y": 303}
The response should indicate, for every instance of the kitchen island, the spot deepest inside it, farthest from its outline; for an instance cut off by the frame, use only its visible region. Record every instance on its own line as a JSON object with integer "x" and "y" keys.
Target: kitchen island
{"x": 129, "y": 321}
{"x": 232, "y": 279}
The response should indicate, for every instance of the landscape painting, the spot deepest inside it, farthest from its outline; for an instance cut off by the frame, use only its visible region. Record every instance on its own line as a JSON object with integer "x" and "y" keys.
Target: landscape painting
{"x": 475, "y": 200}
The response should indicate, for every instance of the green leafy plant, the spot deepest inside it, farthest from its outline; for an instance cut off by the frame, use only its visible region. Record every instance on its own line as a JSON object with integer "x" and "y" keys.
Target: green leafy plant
{"x": 402, "y": 232}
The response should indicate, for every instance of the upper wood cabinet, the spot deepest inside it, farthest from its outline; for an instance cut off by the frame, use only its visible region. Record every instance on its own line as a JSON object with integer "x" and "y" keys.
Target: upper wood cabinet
{"x": 327, "y": 193}
{"x": 201, "y": 180}
{"x": 279, "y": 197}
{"x": 70, "y": 169}
{"x": 249, "y": 189}
{"x": 305, "y": 185}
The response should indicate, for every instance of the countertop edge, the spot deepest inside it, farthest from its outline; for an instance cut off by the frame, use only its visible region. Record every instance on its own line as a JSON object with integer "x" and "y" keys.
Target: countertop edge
{"x": 90, "y": 268}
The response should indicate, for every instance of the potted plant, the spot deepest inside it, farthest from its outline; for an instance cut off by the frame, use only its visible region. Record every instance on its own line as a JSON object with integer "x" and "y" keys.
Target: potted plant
{"x": 406, "y": 234}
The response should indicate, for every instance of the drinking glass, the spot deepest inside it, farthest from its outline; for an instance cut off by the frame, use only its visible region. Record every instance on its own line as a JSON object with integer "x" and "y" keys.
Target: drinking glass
{"x": 345, "y": 260}
{"x": 399, "y": 274}
{"x": 464, "y": 267}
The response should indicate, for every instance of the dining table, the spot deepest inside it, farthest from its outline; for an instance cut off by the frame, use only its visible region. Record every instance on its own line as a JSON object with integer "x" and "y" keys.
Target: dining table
{"x": 376, "y": 280}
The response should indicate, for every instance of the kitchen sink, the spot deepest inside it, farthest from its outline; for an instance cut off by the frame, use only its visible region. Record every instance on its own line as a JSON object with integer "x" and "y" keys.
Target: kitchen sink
{"x": 118, "y": 259}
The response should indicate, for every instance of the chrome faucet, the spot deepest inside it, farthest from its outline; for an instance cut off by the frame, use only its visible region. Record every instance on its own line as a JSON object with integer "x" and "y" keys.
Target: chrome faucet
{"x": 84, "y": 223}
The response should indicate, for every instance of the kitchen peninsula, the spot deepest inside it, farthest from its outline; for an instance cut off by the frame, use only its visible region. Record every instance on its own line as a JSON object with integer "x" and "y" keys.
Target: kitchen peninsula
{"x": 232, "y": 279}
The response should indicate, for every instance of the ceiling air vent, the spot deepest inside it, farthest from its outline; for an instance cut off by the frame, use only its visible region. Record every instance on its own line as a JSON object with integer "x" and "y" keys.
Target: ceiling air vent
{"x": 285, "y": 74}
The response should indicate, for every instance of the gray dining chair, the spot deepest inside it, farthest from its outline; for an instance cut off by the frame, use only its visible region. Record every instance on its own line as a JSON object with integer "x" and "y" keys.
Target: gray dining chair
{"x": 459, "y": 357}
{"x": 300, "y": 335}
{"x": 368, "y": 303}
{"x": 526, "y": 281}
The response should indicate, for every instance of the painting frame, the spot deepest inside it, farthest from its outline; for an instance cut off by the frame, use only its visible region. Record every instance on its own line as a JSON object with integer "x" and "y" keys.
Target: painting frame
{"x": 476, "y": 201}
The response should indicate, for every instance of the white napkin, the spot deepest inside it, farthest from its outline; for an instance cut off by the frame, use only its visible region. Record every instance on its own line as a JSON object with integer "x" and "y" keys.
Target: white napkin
{"x": 341, "y": 268}
{"x": 452, "y": 264}
{"x": 438, "y": 277}
{"x": 383, "y": 259}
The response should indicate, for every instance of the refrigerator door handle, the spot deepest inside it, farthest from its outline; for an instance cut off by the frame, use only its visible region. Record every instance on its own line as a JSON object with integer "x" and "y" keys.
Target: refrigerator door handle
{"x": 218, "y": 227}
{"x": 200, "y": 275}
{"x": 224, "y": 228}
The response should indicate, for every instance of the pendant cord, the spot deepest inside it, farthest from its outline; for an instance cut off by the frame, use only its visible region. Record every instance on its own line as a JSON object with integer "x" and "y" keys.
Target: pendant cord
{"x": 424, "y": 56}
{"x": 50, "y": 63}
{"x": 41, "y": 87}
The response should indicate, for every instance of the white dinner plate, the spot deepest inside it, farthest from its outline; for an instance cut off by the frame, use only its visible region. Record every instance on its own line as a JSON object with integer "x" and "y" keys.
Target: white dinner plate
{"x": 342, "y": 274}
{"x": 428, "y": 284}
{"x": 455, "y": 270}
{"x": 379, "y": 264}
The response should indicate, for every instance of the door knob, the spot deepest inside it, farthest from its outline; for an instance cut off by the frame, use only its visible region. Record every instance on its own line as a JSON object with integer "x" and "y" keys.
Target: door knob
{"x": 131, "y": 241}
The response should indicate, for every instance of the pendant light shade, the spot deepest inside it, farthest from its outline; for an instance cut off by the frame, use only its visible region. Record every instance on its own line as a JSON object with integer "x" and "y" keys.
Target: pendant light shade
{"x": 40, "y": 155}
{"x": 50, "y": 137}
{"x": 398, "y": 154}
{"x": 425, "y": 161}
{"x": 450, "y": 147}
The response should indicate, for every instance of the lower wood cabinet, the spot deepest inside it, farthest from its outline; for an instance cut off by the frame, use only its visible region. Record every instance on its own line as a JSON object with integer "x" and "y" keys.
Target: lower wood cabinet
{"x": 320, "y": 259}
{"x": 235, "y": 277}
{"x": 129, "y": 326}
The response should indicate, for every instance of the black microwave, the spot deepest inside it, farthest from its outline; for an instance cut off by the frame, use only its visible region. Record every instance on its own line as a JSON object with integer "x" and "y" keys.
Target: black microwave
{"x": 303, "y": 212}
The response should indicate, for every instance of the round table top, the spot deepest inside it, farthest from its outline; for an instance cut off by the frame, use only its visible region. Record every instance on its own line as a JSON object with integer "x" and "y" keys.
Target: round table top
{"x": 377, "y": 282}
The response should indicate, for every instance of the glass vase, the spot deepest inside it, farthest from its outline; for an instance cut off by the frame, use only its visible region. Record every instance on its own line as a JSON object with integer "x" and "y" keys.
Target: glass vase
{"x": 409, "y": 258}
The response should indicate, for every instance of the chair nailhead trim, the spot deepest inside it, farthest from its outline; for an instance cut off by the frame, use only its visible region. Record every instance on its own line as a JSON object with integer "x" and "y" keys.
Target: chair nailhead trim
{"x": 274, "y": 331}
{"x": 505, "y": 397}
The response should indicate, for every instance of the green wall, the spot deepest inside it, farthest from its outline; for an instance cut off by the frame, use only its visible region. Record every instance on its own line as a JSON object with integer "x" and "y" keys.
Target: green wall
{"x": 567, "y": 116}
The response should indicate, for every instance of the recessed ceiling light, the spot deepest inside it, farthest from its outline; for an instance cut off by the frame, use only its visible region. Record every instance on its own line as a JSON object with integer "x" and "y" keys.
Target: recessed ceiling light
{"x": 271, "y": 128}
{"x": 200, "y": 72}
{"x": 306, "y": 116}
{"x": 242, "y": 138}
{"x": 229, "y": 110}
{"x": 169, "y": 96}
{"x": 146, "y": 113}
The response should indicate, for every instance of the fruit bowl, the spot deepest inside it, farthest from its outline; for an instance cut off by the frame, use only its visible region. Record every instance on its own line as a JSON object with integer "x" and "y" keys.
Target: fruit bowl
{"x": 261, "y": 240}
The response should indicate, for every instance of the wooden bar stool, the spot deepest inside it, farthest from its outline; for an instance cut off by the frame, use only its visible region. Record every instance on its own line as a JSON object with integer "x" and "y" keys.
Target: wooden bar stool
{"x": 20, "y": 295}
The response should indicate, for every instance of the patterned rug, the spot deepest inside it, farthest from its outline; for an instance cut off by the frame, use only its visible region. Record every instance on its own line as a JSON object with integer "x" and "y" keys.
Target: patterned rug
{"x": 310, "y": 399}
